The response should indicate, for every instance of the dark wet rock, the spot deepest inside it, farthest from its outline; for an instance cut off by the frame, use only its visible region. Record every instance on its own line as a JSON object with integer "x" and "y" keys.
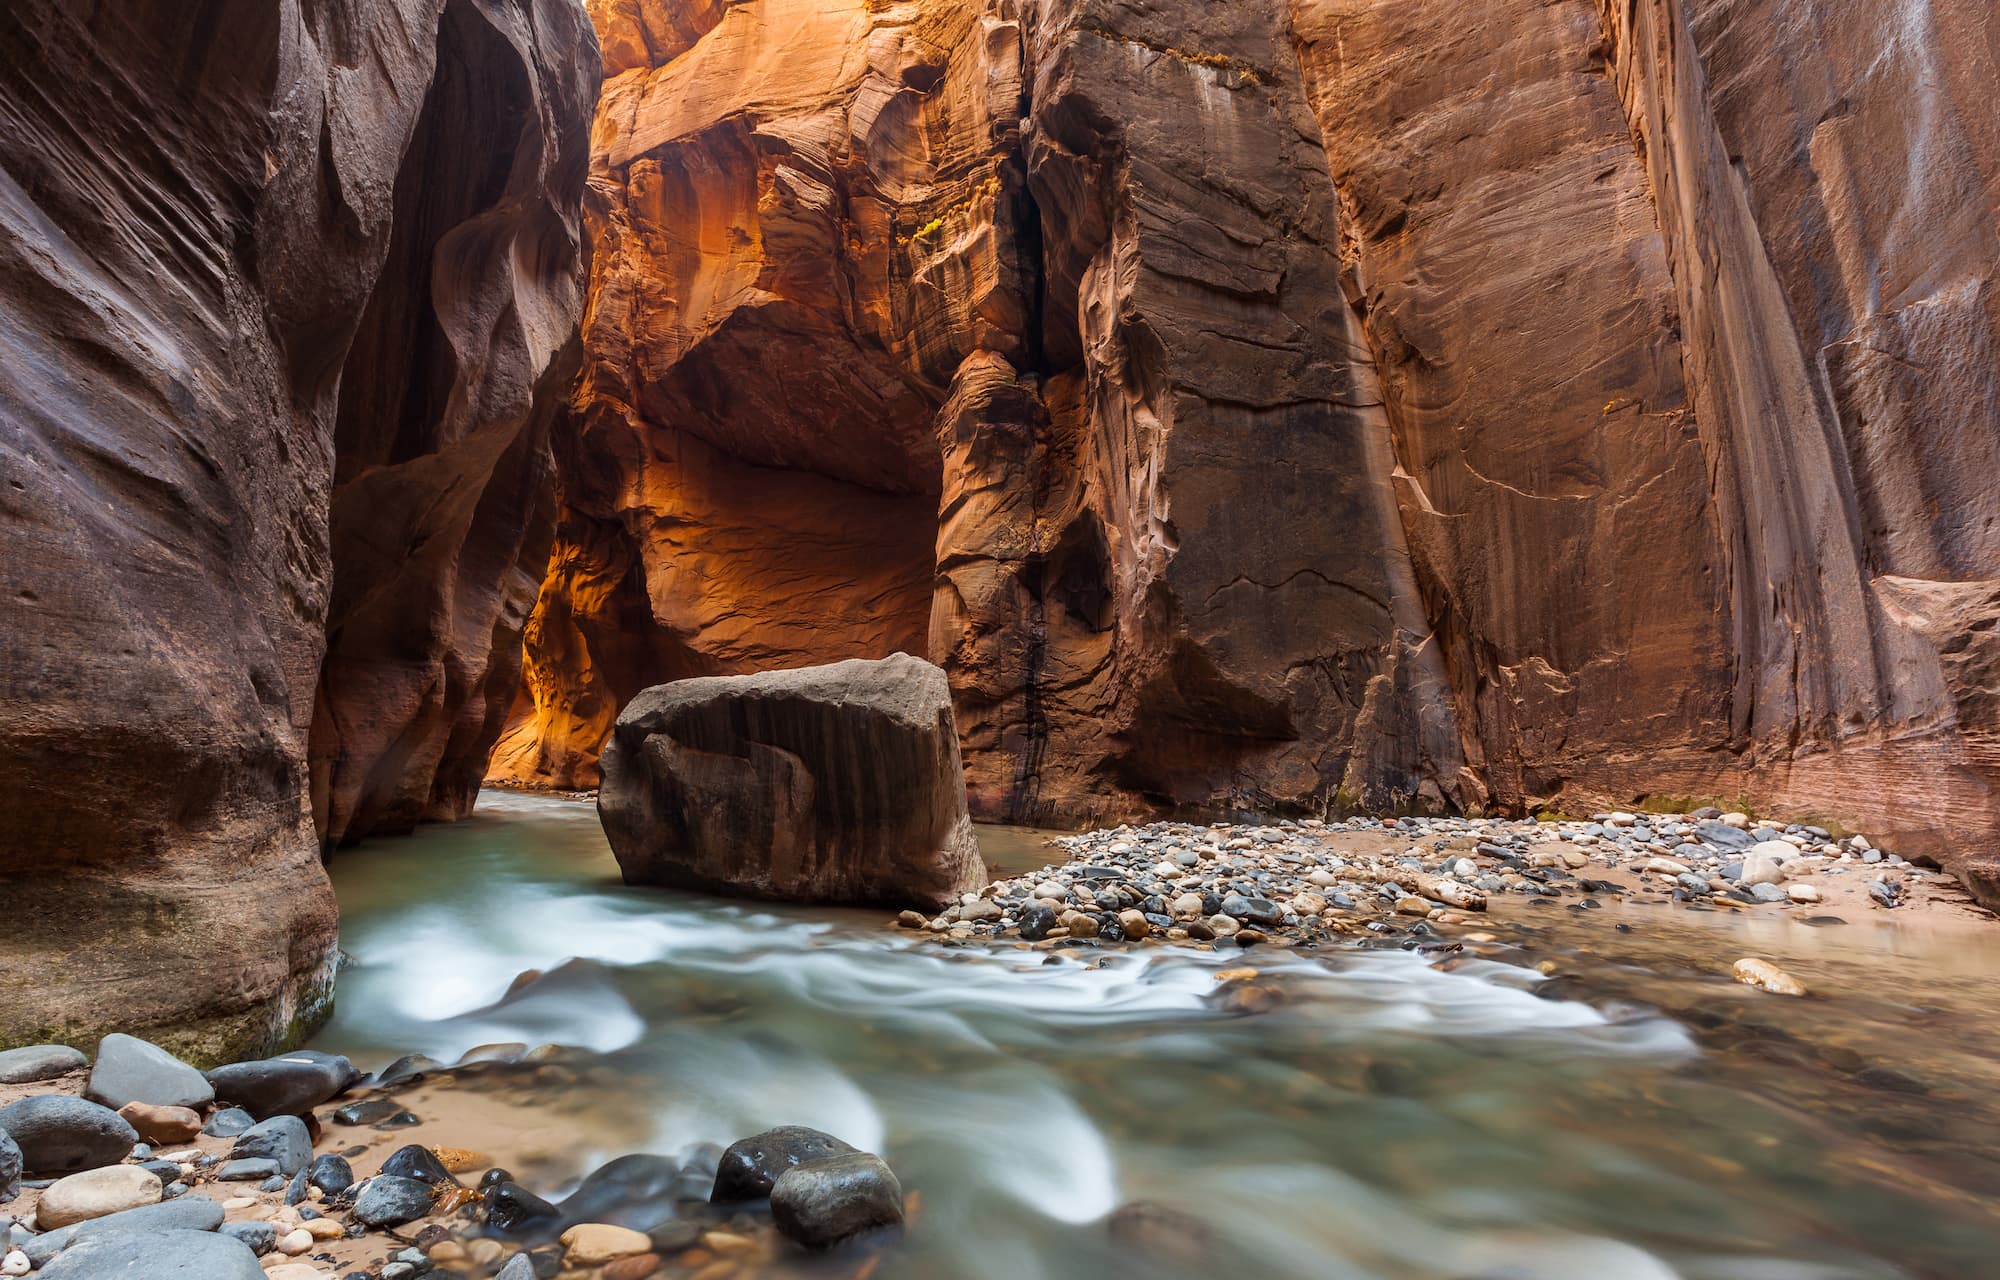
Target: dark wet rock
{"x": 390, "y": 1201}
{"x": 494, "y": 1177}
{"x": 168, "y": 1255}
{"x": 512, "y": 1209}
{"x": 283, "y": 1140}
{"x": 289, "y": 1085}
{"x": 37, "y": 1062}
{"x": 751, "y": 1166}
{"x": 632, "y": 1191}
{"x": 229, "y": 1123}
{"x": 259, "y": 1237}
{"x": 1162, "y": 1232}
{"x": 373, "y": 1111}
{"x": 195, "y": 1213}
{"x": 129, "y": 1069}
{"x": 331, "y": 1174}
{"x": 421, "y": 1164}
{"x": 1037, "y": 922}
{"x": 409, "y": 1067}
{"x": 60, "y": 1134}
{"x": 825, "y": 1202}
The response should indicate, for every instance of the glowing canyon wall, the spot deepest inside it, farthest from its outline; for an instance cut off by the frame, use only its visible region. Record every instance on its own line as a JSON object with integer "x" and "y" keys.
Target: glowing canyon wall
{"x": 1299, "y": 406}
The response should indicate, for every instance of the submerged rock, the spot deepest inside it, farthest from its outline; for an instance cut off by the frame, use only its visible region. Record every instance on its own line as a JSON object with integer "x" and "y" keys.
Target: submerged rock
{"x": 1766, "y": 976}
{"x": 838, "y": 783}
{"x": 824, "y": 1202}
{"x": 634, "y": 1190}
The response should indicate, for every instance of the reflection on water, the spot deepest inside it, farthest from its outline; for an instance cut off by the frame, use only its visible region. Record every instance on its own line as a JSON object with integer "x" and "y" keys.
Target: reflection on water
{"x": 1386, "y": 1118}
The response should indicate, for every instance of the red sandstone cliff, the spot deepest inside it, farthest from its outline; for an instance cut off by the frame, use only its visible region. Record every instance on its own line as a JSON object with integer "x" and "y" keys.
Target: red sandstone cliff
{"x": 284, "y": 291}
{"x": 1307, "y": 404}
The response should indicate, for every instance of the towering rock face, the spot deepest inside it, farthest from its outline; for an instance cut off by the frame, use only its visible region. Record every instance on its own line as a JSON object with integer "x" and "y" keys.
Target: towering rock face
{"x": 1827, "y": 182}
{"x": 244, "y": 283}
{"x": 1308, "y": 403}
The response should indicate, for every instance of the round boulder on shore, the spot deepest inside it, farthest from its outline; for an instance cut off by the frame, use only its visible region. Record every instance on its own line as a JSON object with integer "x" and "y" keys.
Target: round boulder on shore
{"x": 823, "y": 1203}
{"x": 61, "y": 1134}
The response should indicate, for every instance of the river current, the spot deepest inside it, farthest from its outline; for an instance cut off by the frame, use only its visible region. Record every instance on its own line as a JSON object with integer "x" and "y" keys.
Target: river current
{"x": 1634, "y": 1117}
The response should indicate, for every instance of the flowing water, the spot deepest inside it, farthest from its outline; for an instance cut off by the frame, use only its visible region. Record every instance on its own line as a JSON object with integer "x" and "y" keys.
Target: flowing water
{"x": 1389, "y": 1115}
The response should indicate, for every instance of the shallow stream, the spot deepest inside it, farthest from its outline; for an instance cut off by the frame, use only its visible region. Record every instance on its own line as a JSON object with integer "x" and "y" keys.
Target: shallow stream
{"x": 1635, "y": 1116}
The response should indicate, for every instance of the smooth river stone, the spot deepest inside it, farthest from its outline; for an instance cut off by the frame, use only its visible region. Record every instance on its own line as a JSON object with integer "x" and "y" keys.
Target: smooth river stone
{"x": 37, "y": 1062}
{"x": 129, "y": 1069}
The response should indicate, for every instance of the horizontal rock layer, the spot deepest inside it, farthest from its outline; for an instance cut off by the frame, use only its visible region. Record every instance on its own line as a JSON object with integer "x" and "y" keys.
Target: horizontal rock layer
{"x": 283, "y": 287}
{"x": 1307, "y": 404}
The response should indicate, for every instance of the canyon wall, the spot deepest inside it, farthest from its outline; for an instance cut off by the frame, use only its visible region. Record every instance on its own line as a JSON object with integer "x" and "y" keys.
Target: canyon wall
{"x": 285, "y": 291}
{"x": 1302, "y": 405}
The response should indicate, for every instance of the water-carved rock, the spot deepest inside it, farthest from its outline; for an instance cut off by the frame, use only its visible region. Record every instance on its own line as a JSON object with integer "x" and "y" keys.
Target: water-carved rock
{"x": 839, "y": 783}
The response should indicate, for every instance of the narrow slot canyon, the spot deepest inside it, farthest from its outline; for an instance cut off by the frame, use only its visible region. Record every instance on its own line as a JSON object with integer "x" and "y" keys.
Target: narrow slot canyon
{"x": 1349, "y": 470}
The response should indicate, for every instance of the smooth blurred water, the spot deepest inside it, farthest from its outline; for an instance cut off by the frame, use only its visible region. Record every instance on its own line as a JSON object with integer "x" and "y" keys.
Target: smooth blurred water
{"x": 1385, "y": 1118}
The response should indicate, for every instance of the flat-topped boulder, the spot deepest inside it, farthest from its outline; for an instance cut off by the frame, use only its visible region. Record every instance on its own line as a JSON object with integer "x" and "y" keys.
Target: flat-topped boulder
{"x": 838, "y": 783}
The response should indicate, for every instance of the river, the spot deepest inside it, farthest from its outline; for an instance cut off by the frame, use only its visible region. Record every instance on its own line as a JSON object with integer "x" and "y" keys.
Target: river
{"x": 1636, "y": 1116}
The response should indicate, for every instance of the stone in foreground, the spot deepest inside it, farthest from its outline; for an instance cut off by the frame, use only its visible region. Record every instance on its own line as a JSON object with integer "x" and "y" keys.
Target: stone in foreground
{"x": 170, "y": 1255}
{"x": 825, "y": 1202}
{"x": 751, "y": 1166}
{"x": 838, "y": 783}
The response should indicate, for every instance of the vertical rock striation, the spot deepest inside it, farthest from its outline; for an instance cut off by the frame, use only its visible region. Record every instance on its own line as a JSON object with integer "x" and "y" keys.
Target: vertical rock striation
{"x": 1826, "y": 180}
{"x": 216, "y": 257}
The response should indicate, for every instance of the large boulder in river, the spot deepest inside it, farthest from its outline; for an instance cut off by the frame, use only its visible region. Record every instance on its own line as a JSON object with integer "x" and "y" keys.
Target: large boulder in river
{"x": 838, "y": 783}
